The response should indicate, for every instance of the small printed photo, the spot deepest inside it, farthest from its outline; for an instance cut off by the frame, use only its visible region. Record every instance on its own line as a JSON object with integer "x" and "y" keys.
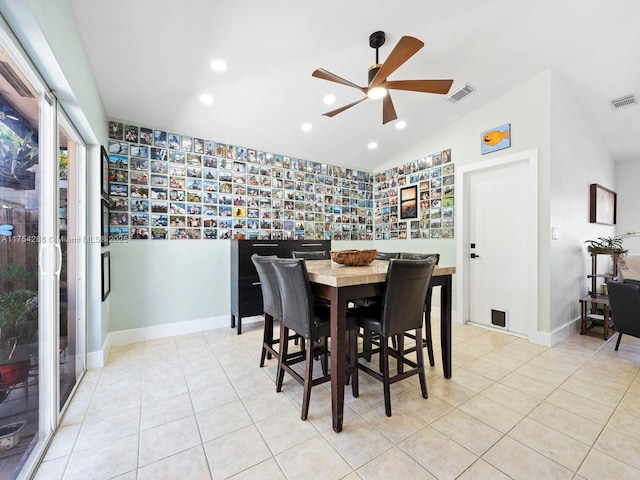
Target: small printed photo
{"x": 221, "y": 150}
{"x": 158, "y": 166}
{"x": 139, "y": 151}
{"x": 209, "y": 174}
{"x": 436, "y": 183}
{"x": 116, "y": 130}
{"x": 118, "y": 204}
{"x": 241, "y": 153}
{"x": 210, "y": 222}
{"x": 118, "y": 176}
{"x": 239, "y": 212}
{"x": 118, "y": 233}
{"x": 253, "y": 213}
{"x": 210, "y": 212}
{"x": 193, "y": 234}
{"x": 209, "y": 147}
{"x": 138, "y": 233}
{"x": 159, "y": 233}
{"x": 198, "y": 145}
{"x": 177, "y": 208}
{"x": 210, "y": 233}
{"x": 448, "y": 191}
{"x": 131, "y": 134}
{"x": 139, "y": 164}
{"x": 117, "y": 190}
{"x": 146, "y": 136}
{"x": 176, "y": 182}
{"x": 210, "y": 185}
{"x": 447, "y": 222}
{"x": 186, "y": 143}
{"x": 448, "y": 169}
{"x": 139, "y": 178}
{"x": 118, "y": 148}
{"x": 119, "y": 218}
{"x": 174, "y": 141}
{"x": 447, "y": 181}
{"x": 139, "y": 192}
{"x": 158, "y": 193}
{"x": 177, "y": 233}
{"x": 178, "y": 220}
{"x": 159, "y": 207}
{"x": 159, "y": 180}
{"x": 225, "y": 223}
{"x": 446, "y": 233}
{"x": 139, "y": 205}
{"x": 160, "y": 138}
{"x": 194, "y": 196}
{"x": 447, "y": 212}
{"x": 251, "y": 156}
{"x": 446, "y": 156}
{"x": 225, "y": 210}
{"x": 436, "y": 203}
{"x": 177, "y": 156}
{"x": 436, "y": 233}
{"x": 118, "y": 161}
{"x": 447, "y": 202}
{"x": 194, "y": 221}
{"x": 139, "y": 219}
{"x": 177, "y": 170}
{"x": 194, "y": 159}
{"x": 232, "y": 152}
{"x": 195, "y": 172}
{"x": 158, "y": 153}
{"x": 437, "y": 159}
{"x": 224, "y": 234}
{"x": 209, "y": 161}
{"x": 194, "y": 184}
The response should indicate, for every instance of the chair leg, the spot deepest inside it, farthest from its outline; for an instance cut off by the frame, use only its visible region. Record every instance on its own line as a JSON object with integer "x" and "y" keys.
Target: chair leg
{"x": 284, "y": 351}
{"x": 428, "y": 336}
{"x": 384, "y": 362}
{"x": 267, "y": 338}
{"x": 618, "y": 342}
{"x": 366, "y": 344}
{"x": 324, "y": 358}
{"x": 308, "y": 379}
{"x": 400, "y": 347}
{"x": 420, "y": 363}
{"x": 353, "y": 362}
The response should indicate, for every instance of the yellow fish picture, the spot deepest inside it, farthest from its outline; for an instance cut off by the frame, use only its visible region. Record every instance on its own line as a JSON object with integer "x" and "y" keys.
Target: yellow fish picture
{"x": 496, "y": 139}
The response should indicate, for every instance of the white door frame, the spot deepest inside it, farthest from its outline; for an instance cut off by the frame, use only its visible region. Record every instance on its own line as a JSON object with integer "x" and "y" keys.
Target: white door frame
{"x": 530, "y": 275}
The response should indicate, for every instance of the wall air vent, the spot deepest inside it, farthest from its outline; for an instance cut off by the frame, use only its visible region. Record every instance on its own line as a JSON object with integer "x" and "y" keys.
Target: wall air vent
{"x": 14, "y": 80}
{"x": 622, "y": 102}
{"x": 460, "y": 93}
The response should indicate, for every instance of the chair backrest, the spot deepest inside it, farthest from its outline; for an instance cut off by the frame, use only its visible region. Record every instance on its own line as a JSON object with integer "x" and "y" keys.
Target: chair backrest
{"x": 420, "y": 256}
{"x": 386, "y": 255}
{"x": 624, "y": 301}
{"x": 311, "y": 255}
{"x": 295, "y": 291}
{"x": 405, "y": 290}
{"x": 271, "y": 303}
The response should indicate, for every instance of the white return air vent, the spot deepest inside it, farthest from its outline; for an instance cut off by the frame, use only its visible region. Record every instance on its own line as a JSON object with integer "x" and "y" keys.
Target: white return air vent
{"x": 622, "y": 102}
{"x": 461, "y": 93}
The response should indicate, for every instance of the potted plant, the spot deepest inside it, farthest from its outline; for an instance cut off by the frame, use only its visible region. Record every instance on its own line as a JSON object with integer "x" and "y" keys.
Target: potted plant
{"x": 18, "y": 334}
{"x": 610, "y": 245}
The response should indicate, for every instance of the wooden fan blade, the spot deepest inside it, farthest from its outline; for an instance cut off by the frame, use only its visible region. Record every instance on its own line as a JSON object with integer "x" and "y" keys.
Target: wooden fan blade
{"x": 425, "y": 86}
{"x": 324, "y": 75}
{"x": 388, "y": 110}
{"x": 403, "y": 51}
{"x": 342, "y": 109}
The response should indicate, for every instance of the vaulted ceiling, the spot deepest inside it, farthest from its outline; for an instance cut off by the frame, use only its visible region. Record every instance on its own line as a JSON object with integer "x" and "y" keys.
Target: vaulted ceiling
{"x": 151, "y": 61}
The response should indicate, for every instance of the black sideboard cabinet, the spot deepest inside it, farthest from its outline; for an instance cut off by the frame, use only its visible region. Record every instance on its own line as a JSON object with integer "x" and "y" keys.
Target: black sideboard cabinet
{"x": 246, "y": 296}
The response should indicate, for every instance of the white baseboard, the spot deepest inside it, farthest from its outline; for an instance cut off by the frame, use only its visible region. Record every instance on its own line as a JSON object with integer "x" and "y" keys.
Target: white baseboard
{"x": 549, "y": 339}
{"x": 97, "y": 359}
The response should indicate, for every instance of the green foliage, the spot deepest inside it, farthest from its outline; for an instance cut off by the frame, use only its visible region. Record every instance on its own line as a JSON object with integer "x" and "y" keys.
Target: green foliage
{"x": 18, "y": 319}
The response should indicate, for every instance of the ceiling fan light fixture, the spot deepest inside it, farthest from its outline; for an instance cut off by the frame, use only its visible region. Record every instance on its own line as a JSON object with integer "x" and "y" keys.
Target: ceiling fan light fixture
{"x": 218, "y": 65}
{"x": 372, "y": 145}
{"x": 400, "y": 124}
{"x": 306, "y": 127}
{"x": 206, "y": 99}
{"x": 377, "y": 93}
{"x": 329, "y": 99}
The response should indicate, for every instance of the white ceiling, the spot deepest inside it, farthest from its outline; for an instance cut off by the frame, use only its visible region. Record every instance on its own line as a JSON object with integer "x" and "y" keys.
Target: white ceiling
{"x": 151, "y": 61}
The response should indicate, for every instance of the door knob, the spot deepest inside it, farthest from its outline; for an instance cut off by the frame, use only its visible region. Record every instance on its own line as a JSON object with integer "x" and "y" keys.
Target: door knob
{"x": 473, "y": 255}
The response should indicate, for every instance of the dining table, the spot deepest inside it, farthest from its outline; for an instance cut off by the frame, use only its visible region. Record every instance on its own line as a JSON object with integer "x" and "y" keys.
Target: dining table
{"x": 341, "y": 284}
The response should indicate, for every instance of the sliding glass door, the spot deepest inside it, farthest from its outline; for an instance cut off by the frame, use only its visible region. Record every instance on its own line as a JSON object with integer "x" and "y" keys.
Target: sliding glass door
{"x": 42, "y": 262}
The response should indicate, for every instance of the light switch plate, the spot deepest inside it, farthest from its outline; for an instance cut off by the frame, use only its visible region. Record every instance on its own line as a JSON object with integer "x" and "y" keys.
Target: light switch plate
{"x": 554, "y": 233}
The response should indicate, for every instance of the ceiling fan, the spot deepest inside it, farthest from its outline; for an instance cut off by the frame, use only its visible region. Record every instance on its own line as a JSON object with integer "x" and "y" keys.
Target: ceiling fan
{"x": 379, "y": 85}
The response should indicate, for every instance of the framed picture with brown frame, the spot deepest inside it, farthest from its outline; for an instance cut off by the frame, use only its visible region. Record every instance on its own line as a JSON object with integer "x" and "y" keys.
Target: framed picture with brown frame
{"x": 602, "y": 205}
{"x": 409, "y": 202}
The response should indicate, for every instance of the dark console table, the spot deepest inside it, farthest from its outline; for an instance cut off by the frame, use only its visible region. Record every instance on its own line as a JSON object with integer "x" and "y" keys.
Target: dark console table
{"x": 246, "y": 296}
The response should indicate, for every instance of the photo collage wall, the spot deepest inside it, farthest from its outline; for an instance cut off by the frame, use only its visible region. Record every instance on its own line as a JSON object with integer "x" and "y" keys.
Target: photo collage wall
{"x": 416, "y": 200}
{"x": 165, "y": 185}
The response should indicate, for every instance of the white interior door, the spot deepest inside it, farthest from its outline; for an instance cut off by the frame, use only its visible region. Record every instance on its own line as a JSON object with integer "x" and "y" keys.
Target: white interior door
{"x": 499, "y": 242}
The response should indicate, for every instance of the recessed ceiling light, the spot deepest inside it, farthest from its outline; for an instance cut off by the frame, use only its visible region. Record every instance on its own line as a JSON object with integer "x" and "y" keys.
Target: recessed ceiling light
{"x": 206, "y": 99}
{"x": 306, "y": 127}
{"x": 372, "y": 145}
{"x": 401, "y": 124}
{"x": 329, "y": 99}
{"x": 218, "y": 65}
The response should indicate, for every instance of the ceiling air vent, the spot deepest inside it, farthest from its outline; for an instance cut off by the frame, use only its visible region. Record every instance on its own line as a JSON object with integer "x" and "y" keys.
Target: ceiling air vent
{"x": 14, "y": 80}
{"x": 626, "y": 101}
{"x": 462, "y": 92}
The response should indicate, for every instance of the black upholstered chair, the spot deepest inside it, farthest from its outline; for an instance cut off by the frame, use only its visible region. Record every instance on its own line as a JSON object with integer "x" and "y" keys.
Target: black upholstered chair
{"x": 401, "y": 309}
{"x": 271, "y": 304}
{"x": 311, "y": 320}
{"x": 624, "y": 302}
{"x": 311, "y": 255}
{"x": 386, "y": 255}
{"x": 428, "y": 338}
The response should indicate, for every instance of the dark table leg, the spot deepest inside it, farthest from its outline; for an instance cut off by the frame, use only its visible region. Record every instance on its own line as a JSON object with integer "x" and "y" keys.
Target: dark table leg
{"x": 445, "y": 323}
{"x": 338, "y": 356}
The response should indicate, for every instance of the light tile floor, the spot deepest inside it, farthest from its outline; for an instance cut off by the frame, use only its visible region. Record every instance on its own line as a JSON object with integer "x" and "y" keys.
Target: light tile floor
{"x": 198, "y": 407}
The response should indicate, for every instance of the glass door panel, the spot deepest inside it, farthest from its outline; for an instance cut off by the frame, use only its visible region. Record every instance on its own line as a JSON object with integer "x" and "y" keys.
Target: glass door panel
{"x": 19, "y": 255}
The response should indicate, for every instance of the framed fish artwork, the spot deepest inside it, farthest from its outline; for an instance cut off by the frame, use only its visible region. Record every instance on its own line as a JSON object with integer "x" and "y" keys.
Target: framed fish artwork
{"x": 495, "y": 139}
